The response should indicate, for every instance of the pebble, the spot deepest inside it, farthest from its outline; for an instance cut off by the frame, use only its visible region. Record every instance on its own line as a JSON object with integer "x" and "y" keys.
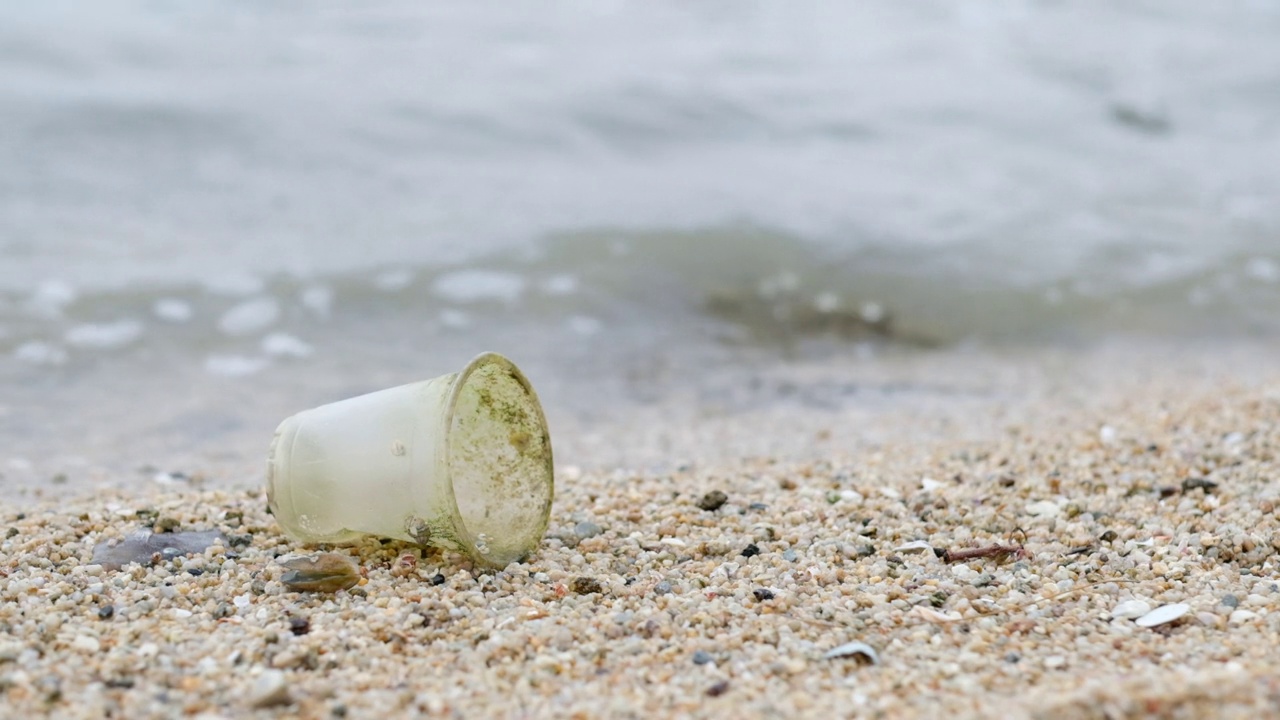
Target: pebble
{"x": 271, "y": 689}
{"x": 751, "y": 550}
{"x": 1241, "y": 616}
{"x": 1130, "y": 609}
{"x": 587, "y": 530}
{"x": 585, "y": 585}
{"x": 1044, "y": 508}
{"x": 712, "y": 500}
{"x": 702, "y": 657}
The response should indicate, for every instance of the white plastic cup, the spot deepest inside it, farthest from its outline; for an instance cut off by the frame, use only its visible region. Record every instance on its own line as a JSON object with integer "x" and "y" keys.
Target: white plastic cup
{"x": 462, "y": 461}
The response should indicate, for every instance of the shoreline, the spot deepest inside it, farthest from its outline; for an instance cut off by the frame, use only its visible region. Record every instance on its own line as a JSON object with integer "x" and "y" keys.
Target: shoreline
{"x": 1149, "y": 485}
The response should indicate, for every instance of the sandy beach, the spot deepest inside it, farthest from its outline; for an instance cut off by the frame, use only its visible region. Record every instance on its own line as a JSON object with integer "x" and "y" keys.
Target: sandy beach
{"x": 1096, "y": 539}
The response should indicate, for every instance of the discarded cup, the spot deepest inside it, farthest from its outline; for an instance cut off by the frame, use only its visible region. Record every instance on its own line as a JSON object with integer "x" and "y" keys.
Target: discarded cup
{"x": 462, "y": 461}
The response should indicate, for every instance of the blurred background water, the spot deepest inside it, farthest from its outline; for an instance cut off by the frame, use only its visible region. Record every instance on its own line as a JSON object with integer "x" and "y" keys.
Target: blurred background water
{"x": 215, "y": 212}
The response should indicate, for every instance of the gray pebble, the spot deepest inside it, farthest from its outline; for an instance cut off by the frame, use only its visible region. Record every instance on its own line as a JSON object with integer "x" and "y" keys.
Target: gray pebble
{"x": 1230, "y": 601}
{"x": 702, "y": 657}
{"x": 790, "y": 555}
{"x": 662, "y": 588}
{"x": 587, "y": 529}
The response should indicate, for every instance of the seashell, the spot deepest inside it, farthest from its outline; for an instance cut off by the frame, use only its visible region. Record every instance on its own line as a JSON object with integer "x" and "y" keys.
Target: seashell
{"x": 1163, "y": 614}
{"x": 326, "y": 572}
{"x": 855, "y": 648}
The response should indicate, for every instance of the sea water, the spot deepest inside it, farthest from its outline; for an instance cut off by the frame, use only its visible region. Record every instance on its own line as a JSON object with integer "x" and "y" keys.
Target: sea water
{"x": 213, "y": 214}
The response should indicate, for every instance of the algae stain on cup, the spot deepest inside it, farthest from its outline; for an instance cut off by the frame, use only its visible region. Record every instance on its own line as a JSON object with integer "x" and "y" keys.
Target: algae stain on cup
{"x": 462, "y": 461}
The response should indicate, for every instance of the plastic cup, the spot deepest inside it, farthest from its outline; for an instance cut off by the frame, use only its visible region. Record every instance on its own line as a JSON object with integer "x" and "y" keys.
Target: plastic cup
{"x": 462, "y": 461}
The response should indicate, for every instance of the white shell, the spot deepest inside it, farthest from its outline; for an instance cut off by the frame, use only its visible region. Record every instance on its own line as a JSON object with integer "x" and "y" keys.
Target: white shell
{"x": 1130, "y": 609}
{"x": 914, "y": 546}
{"x": 1163, "y": 614}
{"x": 853, "y": 648}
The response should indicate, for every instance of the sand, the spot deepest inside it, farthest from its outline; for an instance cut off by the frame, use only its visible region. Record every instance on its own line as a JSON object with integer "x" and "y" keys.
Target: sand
{"x": 1097, "y": 485}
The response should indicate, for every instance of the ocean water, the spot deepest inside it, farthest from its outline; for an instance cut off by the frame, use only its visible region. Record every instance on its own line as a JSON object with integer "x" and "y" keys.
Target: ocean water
{"x": 212, "y": 213}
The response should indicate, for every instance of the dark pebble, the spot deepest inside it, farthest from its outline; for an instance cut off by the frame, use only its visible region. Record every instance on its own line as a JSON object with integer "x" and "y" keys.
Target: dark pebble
{"x": 299, "y": 625}
{"x": 718, "y": 689}
{"x": 13, "y": 532}
{"x": 119, "y": 683}
{"x": 1231, "y": 601}
{"x": 106, "y": 612}
{"x": 438, "y": 579}
{"x": 702, "y": 657}
{"x": 762, "y": 594}
{"x": 713, "y": 500}
{"x": 1204, "y": 484}
{"x": 166, "y": 525}
{"x": 1108, "y": 536}
{"x": 751, "y": 550}
{"x": 758, "y": 506}
{"x": 224, "y": 610}
{"x": 240, "y": 540}
{"x": 585, "y": 585}
{"x": 1013, "y": 658}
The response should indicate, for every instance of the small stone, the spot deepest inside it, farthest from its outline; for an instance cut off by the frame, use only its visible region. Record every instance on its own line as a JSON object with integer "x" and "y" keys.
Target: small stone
{"x": 1130, "y": 609}
{"x": 712, "y": 500}
{"x": 1044, "y": 508}
{"x": 915, "y": 546}
{"x": 1055, "y": 662}
{"x": 586, "y": 530}
{"x": 326, "y": 572}
{"x": 438, "y": 579}
{"x": 585, "y": 585}
{"x": 86, "y": 643}
{"x": 662, "y": 588}
{"x": 299, "y": 625}
{"x": 790, "y": 555}
{"x": 1230, "y": 601}
{"x": 1238, "y": 617}
{"x": 718, "y": 688}
{"x": 271, "y": 689}
{"x": 751, "y": 550}
{"x": 106, "y": 612}
{"x": 1108, "y": 536}
{"x": 1204, "y": 484}
{"x": 1163, "y": 615}
{"x": 702, "y": 657}
{"x": 762, "y": 594}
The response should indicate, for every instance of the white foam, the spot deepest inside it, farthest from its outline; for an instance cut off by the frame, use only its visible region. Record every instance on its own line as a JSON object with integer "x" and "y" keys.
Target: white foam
{"x": 104, "y": 335}
{"x": 51, "y": 297}
{"x": 584, "y": 325}
{"x": 235, "y": 365}
{"x": 283, "y": 345}
{"x": 393, "y": 280}
{"x": 465, "y": 286}
{"x": 37, "y": 352}
{"x": 234, "y": 285}
{"x": 250, "y": 316}
{"x": 318, "y": 299}
{"x": 455, "y": 319}
{"x": 560, "y": 285}
{"x": 172, "y": 310}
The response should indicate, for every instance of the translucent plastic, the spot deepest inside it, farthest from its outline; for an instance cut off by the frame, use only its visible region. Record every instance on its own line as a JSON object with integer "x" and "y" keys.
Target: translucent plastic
{"x": 462, "y": 461}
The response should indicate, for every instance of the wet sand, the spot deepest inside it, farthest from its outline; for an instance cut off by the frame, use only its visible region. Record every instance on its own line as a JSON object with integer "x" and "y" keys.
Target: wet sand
{"x": 1000, "y": 545}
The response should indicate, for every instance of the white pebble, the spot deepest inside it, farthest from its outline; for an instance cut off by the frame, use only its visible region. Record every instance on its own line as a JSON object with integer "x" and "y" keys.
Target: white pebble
{"x": 250, "y": 316}
{"x": 1130, "y": 609}
{"x": 1163, "y": 614}
{"x": 1044, "y": 508}
{"x": 180, "y": 614}
{"x": 1241, "y": 616}
{"x": 241, "y": 601}
{"x": 269, "y": 690}
{"x": 915, "y": 546}
{"x": 929, "y": 484}
{"x": 86, "y": 643}
{"x": 1107, "y": 434}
